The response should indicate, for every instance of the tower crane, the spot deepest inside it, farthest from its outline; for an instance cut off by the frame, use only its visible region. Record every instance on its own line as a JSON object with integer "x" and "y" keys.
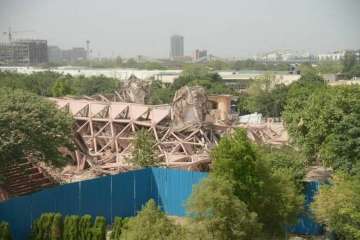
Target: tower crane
{"x": 10, "y": 33}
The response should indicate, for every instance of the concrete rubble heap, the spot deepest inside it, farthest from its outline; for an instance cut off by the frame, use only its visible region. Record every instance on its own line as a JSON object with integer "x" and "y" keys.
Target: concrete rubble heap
{"x": 105, "y": 126}
{"x": 104, "y": 130}
{"x": 184, "y": 131}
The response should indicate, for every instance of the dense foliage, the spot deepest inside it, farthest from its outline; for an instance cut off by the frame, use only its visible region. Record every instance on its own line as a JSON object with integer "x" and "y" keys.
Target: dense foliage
{"x": 5, "y": 233}
{"x": 85, "y": 227}
{"x": 285, "y": 159}
{"x": 151, "y": 224}
{"x": 117, "y": 228}
{"x": 143, "y": 154}
{"x": 270, "y": 193}
{"x": 264, "y": 98}
{"x": 351, "y": 66}
{"x": 32, "y": 126}
{"x": 51, "y": 84}
{"x": 71, "y": 227}
{"x": 326, "y": 124}
{"x": 338, "y": 206}
{"x": 201, "y": 76}
{"x": 51, "y": 226}
{"x": 219, "y": 213}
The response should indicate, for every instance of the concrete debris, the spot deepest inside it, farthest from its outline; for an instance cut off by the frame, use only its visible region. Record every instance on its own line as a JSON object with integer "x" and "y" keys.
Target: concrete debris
{"x": 184, "y": 131}
{"x": 23, "y": 178}
{"x": 318, "y": 173}
{"x": 267, "y": 133}
{"x": 189, "y": 106}
{"x": 253, "y": 118}
{"x": 134, "y": 90}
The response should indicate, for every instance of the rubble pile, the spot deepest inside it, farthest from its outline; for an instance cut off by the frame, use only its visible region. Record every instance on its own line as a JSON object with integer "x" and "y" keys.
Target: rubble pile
{"x": 184, "y": 131}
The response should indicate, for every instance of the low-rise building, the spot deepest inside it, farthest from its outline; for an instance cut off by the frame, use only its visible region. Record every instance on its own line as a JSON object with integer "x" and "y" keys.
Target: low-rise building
{"x": 334, "y": 56}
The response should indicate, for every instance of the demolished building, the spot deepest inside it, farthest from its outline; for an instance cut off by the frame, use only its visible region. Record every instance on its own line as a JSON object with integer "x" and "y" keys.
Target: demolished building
{"x": 105, "y": 126}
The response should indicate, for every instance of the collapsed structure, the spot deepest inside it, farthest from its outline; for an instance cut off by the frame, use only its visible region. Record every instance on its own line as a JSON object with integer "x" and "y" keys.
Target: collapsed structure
{"x": 105, "y": 126}
{"x": 104, "y": 130}
{"x": 184, "y": 131}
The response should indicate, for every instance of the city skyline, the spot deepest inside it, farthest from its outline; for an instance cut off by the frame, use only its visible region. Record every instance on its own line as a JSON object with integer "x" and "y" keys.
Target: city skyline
{"x": 227, "y": 29}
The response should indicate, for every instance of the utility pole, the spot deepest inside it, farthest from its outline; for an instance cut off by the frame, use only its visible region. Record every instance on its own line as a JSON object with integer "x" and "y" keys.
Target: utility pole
{"x": 88, "y": 49}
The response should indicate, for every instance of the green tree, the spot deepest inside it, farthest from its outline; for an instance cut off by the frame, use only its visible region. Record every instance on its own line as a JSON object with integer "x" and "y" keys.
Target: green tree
{"x": 325, "y": 125}
{"x": 85, "y": 227}
{"x": 214, "y": 207}
{"x": 338, "y": 206}
{"x": 151, "y": 224}
{"x": 143, "y": 154}
{"x": 56, "y": 227}
{"x": 160, "y": 93}
{"x": 118, "y": 228}
{"x": 61, "y": 87}
{"x": 326, "y": 67}
{"x": 285, "y": 159}
{"x": 94, "y": 85}
{"x": 349, "y": 61}
{"x": 272, "y": 195}
{"x": 5, "y": 233}
{"x": 71, "y": 227}
{"x": 31, "y": 125}
{"x": 42, "y": 227}
{"x": 99, "y": 229}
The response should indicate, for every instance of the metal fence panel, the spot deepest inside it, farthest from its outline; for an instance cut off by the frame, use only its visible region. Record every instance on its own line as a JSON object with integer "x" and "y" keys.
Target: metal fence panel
{"x": 17, "y": 213}
{"x": 123, "y": 196}
{"x": 95, "y": 197}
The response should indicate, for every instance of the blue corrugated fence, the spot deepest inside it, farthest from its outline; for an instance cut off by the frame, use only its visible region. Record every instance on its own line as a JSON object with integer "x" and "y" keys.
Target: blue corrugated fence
{"x": 122, "y": 195}
{"x": 118, "y": 195}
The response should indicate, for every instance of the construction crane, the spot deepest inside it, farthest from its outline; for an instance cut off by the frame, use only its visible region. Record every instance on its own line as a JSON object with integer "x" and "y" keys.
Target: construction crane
{"x": 10, "y": 33}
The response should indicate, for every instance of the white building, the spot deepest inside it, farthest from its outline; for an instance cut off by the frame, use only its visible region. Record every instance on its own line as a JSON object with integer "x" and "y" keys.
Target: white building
{"x": 334, "y": 56}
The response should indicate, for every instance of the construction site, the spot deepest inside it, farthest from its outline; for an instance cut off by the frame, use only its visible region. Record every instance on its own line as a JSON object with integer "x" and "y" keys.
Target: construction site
{"x": 184, "y": 131}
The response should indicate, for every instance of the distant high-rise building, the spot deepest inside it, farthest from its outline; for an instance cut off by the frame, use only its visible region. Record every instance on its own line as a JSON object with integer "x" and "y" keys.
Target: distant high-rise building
{"x": 24, "y": 52}
{"x": 38, "y": 50}
{"x": 176, "y": 46}
{"x": 74, "y": 54}
{"x": 54, "y": 54}
{"x": 199, "y": 55}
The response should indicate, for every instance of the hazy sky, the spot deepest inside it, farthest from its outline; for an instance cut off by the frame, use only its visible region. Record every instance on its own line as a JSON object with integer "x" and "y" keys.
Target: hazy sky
{"x": 226, "y": 28}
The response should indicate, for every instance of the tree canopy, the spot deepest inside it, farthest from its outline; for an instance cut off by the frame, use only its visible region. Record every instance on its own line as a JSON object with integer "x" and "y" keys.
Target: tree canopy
{"x": 51, "y": 84}
{"x": 338, "y": 206}
{"x": 31, "y": 126}
{"x": 324, "y": 121}
{"x": 151, "y": 224}
{"x": 143, "y": 154}
{"x": 214, "y": 208}
{"x": 271, "y": 194}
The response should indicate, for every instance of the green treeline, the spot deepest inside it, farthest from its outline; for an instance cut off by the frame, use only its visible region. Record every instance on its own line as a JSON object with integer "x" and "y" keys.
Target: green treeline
{"x": 51, "y": 84}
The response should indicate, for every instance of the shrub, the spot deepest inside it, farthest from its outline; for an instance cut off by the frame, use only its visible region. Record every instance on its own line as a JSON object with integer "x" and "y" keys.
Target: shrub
{"x": 85, "y": 227}
{"x": 117, "y": 228}
{"x": 71, "y": 227}
{"x": 41, "y": 228}
{"x": 5, "y": 233}
{"x": 99, "y": 229}
{"x": 151, "y": 224}
{"x": 56, "y": 227}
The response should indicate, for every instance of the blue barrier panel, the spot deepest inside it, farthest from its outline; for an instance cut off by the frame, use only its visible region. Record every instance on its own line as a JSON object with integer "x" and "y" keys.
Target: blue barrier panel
{"x": 142, "y": 188}
{"x": 306, "y": 224}
{"x": 43, "y": 201}
{"x": 68, "y": 199}
{"x": 123, "y": 198}
{"x": 160, "y": 179}
{"x": 174, "y": 187}
{"x": 17, "y": 213}
{"x": 95, "y": 197}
